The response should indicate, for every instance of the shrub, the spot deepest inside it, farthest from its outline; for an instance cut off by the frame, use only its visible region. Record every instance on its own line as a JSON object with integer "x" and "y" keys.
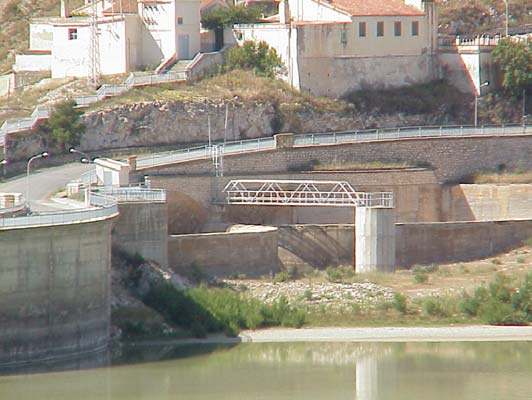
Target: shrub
{"x": 495, "y": 261}
{"x": 399, "y": 302}
{"x": 203, "y": 310}
{"x": 421, "y": 277}
{"x": 528, "y": 242}
{"x": 258, "y": 57}
{"x": 424, "y": 269}
{"x": 282, "y": 276}
{"x": 64, "y": 127}
{"x": 339, "y": 274}
{"x": 520, "y": 259}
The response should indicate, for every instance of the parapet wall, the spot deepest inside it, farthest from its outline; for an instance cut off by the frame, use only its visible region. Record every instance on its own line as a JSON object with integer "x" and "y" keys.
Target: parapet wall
{"x": 451, "y": 157}
{"x": 251, "y": 251}
{"x": 54, "y": 291}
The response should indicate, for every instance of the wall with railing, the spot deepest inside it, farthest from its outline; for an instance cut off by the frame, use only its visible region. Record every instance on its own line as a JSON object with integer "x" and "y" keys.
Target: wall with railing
{"x": 315, "y": 139}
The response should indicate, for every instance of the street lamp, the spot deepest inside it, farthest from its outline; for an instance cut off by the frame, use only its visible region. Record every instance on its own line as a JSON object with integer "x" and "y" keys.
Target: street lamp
{"x": 506, "y": 4}
{"x": 477, "y": 95}
{"x": 44, "y": 154}
{"x": 86, "y": 160}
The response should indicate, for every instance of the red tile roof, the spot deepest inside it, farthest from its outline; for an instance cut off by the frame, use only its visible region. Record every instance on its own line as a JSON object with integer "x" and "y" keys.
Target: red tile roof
{"x": 376, "y": 7}
{"x": 128, "y": 7}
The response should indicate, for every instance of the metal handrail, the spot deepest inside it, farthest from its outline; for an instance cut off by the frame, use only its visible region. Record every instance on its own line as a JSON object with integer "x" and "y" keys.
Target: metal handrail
{"x": 194, "y": 153}
{"x": 409, "y": 132}
{"x": 132, "y": 194}
{"x": 107, "y": 208}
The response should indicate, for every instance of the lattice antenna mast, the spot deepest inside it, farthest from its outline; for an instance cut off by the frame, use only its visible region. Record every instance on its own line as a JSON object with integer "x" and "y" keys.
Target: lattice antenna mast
{"x": 94, "y": 47}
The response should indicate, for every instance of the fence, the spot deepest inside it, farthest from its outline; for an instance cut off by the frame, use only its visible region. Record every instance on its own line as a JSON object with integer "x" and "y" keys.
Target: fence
{"x": 193, "y": 153}
{"x": 131, "y": 194}
{"x": 107, "y": 207}
{"x": 409, "y": 132}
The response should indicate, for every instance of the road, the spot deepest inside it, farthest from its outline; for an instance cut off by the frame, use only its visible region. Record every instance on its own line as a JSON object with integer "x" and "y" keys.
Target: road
{"x": 45, "y": 182}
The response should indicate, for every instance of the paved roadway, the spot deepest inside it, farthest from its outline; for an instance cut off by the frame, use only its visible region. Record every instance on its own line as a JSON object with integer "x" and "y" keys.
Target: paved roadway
{"x": 45, "y": 182}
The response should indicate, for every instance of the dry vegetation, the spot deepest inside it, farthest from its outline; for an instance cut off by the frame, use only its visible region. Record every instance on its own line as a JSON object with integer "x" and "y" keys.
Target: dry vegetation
{"x": 505, "y": 178}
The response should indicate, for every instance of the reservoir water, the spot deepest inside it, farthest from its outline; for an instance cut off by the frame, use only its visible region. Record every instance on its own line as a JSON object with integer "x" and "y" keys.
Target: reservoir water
{"x": 361, "y": 371}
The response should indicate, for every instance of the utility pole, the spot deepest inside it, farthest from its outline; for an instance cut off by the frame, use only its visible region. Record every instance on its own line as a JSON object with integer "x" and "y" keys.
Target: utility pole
{"x": 94, "y": 48}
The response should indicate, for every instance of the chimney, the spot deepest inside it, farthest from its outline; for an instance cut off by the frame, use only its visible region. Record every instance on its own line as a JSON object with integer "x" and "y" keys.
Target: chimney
{"x": 65, "y": 9}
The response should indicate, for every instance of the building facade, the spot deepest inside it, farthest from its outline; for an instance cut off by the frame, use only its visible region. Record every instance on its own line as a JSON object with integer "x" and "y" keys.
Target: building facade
{"x": 131, "y": 35}
{"x": 331, "y": 48}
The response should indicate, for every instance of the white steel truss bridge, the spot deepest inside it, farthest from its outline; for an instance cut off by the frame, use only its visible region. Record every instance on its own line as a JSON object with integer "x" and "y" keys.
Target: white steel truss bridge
{"x": 303, "y": 193}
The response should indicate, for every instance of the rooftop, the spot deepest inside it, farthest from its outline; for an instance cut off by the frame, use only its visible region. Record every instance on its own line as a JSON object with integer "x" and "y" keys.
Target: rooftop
{"x": 376, "y": 7}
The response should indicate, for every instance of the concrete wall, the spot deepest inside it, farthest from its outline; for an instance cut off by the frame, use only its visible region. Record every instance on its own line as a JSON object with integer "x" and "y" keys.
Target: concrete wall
{"x": 490, "y": 202}
{"x": 142, "y": 228}
{"x": 33, "y": 62}
{"x": 418, "y": 198}
{"x": 320, "y": 246}
{"x": 457, "y": 241}
{"x": 251, "y": 251}
{"x": 41, "y": 36}
{"x": 54, "y": 291}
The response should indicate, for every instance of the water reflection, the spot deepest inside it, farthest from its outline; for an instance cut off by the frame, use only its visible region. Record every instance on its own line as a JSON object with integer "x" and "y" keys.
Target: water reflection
{"x": 361, "y": 371}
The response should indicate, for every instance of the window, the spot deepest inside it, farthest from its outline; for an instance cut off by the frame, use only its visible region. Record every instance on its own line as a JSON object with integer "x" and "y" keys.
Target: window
{"x": 415, "y": 28}
{"x": 179, "y": 20}
{"x": 362, "y": 29}
{"x": 397, "y": 28}
{"x": 72, "y": 34}
{"x": 380, "y": 28}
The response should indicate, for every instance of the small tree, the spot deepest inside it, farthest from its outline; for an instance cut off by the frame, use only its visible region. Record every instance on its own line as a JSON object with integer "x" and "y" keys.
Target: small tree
{"x": 64, "y": 127}
{"x": 220, "y": 18}
{"x": 515, "y": 61}
{"x": 258, "y": 57}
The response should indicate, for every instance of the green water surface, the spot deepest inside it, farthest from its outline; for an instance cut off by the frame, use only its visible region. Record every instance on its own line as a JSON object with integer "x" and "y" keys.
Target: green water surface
{"x": 362, "y": 371}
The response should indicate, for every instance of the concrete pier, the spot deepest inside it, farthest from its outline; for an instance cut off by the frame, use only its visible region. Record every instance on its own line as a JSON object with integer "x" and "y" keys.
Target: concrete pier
{"x": 375, "y": 240}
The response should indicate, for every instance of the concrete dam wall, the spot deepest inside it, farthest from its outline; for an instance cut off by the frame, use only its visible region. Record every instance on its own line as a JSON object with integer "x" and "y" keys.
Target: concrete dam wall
{"x": 54, "y": 291}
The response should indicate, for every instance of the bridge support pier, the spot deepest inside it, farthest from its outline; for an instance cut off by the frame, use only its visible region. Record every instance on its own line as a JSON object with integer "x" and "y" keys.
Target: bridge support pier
{"x": 375, "y": 239}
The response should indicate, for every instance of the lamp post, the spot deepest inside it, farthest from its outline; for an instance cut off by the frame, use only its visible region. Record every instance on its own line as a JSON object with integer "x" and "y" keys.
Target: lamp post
{"x": 86, "y": 159}
{"x": 506, "y": 5}
{"x": 4, "y": 163}
{"x": 477, "y": 95}
{"x": 44, "y": 154}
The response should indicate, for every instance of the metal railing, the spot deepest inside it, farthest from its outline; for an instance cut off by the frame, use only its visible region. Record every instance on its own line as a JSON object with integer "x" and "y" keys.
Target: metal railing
{"x": 193, "y": 153}
{"x": 106, "y": 207}
{"x": 408, "y": 132}
{"x": 132, "y": 194}
{"x": 375, "y": 200}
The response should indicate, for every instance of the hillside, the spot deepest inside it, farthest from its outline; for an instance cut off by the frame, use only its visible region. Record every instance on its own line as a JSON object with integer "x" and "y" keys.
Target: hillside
{"x": 471, "y": 17}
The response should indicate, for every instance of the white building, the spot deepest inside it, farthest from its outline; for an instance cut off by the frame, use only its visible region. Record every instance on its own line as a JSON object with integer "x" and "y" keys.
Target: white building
{"x": 333, "y": 47}
{"x": 131, "y": 34}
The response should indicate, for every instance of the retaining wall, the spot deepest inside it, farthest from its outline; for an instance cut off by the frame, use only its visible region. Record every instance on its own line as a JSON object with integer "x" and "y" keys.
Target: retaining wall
{"x": 418, "y": 198}
{"x": 54, "y": 291}
{"x": 451, "y": 158}
{"x": 142, "y": 228}
{"x": 249, "y": 250}
{"x": 320, "y": 246}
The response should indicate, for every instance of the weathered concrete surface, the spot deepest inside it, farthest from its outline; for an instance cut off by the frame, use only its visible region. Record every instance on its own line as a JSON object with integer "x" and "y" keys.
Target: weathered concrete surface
{"x": 375, "y": 240}
{"x": 416, "y": 190}
{"x": 251, "y": 251}
{"x": 142, "y": 228}
{"x": 54, "y": 291}
{"x": 320, "y": 246}
{"x": 490, "y": 202}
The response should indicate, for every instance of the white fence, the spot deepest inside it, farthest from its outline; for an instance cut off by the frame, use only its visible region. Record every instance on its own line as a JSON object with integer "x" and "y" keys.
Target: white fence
{"x": 409, "y": 132}
{"x": 132, "y": 194}
{"x": 106, "y": 207}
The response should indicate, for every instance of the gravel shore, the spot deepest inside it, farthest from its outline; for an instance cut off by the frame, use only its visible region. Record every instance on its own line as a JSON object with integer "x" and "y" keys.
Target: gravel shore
{"x": 392, "y": 334}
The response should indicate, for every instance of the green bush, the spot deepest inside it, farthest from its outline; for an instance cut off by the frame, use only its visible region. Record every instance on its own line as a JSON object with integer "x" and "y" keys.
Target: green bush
{"x": 399, "y": 302}
{"x": 204, "y": 310}
{"x": 258, "y": 57}
{"x": 282, "y": 276}
{"x": 424, "y": 269}
{"x": 339, "y": 274}
{"x": 499, "y": 304}
{"x": 421, "y": 277}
